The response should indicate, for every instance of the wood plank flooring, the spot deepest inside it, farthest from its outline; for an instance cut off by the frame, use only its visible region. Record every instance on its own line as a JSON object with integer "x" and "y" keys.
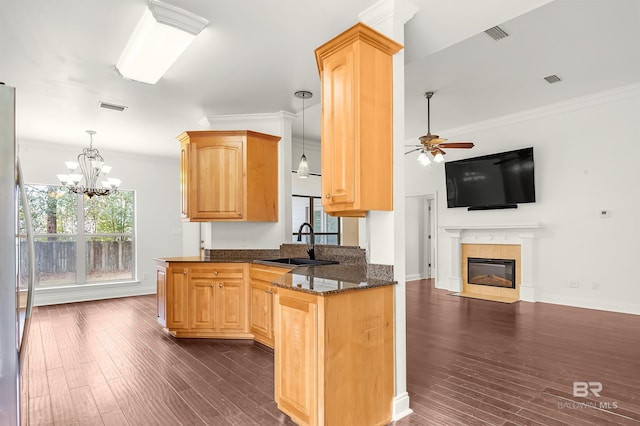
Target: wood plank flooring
{"x": 470, "y": 362}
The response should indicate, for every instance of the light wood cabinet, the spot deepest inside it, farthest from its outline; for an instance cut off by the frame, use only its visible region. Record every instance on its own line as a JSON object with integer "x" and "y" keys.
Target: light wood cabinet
{"x": 206, "y": 300}
{"x": 261, "y": 295}
{"x": 229, "y": 176}
{"x": 334, "y": 356}
{"x": 356, "y": 73}
{"x": 177, "y": 302}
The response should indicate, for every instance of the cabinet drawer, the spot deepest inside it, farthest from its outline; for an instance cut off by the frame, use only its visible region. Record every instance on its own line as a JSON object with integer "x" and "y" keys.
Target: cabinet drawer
{"x": 216, "y": 271}
{"x": 266, "y": 273}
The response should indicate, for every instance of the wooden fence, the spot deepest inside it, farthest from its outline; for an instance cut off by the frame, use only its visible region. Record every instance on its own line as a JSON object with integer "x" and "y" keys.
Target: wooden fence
{"x": 58, "y": 257}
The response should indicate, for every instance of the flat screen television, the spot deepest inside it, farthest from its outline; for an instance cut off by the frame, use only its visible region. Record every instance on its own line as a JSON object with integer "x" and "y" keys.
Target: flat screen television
{"x": 494, "y": 181}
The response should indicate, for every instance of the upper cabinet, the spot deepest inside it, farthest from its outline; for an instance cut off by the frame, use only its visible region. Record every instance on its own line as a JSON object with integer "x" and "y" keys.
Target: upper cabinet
{"x": 356, "y": 72}
{"x": 228, "y": 176}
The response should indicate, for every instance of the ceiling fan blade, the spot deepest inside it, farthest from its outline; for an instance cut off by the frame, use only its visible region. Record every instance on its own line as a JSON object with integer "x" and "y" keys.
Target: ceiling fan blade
{"x": 413, "y": 150}
{"x": 436, "y": 150}
{"x": 437, "y": 141}
{"x": 456, "y": 145}
{"x": 414, "y": 144}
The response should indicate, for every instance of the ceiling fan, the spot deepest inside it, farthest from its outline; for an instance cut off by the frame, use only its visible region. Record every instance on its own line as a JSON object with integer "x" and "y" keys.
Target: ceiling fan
{"x": 433, "y": 144}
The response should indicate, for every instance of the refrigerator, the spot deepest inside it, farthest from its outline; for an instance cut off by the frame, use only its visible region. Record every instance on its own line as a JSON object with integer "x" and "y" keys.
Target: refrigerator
{"x": 17, "y": 271}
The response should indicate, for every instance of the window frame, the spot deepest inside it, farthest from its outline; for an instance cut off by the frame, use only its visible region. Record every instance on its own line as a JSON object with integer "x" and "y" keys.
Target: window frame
{"x": 309, "y": 211}
{"x": 81, "y": 237}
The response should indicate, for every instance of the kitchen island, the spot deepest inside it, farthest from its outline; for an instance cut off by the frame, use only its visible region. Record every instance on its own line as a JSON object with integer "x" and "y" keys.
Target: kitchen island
{"x": 332, "y": 329}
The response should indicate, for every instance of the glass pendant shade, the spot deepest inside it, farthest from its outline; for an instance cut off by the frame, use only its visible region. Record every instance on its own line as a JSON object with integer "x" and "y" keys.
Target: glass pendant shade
{"x": 303, "y": 167}
{"x": 439, "y": 158}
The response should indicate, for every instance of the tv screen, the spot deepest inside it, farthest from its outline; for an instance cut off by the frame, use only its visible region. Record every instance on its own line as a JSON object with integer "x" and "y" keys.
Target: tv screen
{"x": 491, "y": 181}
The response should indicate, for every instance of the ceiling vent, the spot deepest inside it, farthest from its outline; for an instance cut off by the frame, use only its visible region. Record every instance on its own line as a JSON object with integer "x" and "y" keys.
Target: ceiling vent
{"x": 496, "y": 33}
{"x": 112, "y": 106}
{"x": 552, "y": 79}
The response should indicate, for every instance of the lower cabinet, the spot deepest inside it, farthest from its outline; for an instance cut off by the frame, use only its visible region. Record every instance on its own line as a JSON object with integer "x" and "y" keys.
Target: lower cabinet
{"x": 261, "y": 296}
{"x": 334, "y": 356}
{"x": 205, "y": 300}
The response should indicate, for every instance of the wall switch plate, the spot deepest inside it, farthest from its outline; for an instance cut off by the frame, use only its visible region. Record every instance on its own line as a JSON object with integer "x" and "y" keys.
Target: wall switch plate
{"x": 605, "y": 213}
{"x": 574, "y": 284}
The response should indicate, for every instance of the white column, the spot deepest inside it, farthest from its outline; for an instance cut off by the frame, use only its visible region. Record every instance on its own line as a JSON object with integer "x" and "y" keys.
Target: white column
{"x": 386, "y": 244}
{"x": 527, "y": 286}
{"x": 455, "y": 269}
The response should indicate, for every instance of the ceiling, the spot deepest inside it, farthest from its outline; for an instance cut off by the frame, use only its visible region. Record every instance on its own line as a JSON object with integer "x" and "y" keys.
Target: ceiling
{"x": 255, "y": 54}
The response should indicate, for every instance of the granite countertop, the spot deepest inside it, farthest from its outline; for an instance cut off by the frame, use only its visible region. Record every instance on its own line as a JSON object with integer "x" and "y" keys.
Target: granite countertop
{"x": 352, "y": 272}
{"x": 326, "y": 280}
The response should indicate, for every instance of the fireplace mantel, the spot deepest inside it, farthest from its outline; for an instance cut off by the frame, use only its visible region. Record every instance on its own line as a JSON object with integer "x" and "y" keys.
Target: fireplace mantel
{"x": 498, "y": 227}
{"x": 523, "y": 234}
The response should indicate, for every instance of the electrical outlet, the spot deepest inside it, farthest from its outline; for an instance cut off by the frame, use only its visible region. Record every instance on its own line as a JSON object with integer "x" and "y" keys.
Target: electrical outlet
{"x": 574, "y": 284}
{"x": 145, "y": 276}
{"x": 605, "y": 213}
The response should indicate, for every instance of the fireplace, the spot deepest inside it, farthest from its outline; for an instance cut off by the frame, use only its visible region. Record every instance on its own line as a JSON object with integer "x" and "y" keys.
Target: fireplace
{"x": 491, "y": 272}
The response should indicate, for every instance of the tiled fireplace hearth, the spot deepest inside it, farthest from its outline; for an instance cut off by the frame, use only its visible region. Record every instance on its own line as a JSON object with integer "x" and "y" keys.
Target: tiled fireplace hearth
{"x": 511, "y": 242}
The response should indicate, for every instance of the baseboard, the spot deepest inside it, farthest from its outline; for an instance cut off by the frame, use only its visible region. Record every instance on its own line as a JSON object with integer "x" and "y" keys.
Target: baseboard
{"x": 401, "y": 406}
{"x": 413, "y": 277}
{"x": 602, "y": 305}
{"x": 86, "y": 292}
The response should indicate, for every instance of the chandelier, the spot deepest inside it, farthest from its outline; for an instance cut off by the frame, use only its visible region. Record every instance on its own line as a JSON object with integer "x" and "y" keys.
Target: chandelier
{"x": 93, "y": 170}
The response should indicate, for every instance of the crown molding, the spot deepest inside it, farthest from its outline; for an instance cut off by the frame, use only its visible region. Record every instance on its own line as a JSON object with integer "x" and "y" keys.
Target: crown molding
{"x": 574, "y": 104}
{"x": 388, "y": 9}
{"x": 209, "y": 120}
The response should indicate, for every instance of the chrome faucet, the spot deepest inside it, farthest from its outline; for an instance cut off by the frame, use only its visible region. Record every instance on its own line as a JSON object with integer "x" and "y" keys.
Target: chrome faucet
{"x": 311, "y": 245}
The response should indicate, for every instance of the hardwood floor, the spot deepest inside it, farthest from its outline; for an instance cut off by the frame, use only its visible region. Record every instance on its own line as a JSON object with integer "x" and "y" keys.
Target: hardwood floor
{"x": 470, "y": 362}
{"x": 475, "y": 362}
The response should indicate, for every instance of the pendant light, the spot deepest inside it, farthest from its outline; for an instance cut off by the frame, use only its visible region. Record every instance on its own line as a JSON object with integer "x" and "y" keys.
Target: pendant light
{"x": 303, "y": 167}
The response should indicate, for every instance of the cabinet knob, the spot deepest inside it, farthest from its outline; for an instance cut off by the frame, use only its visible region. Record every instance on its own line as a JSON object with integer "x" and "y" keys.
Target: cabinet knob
{"x": 220, "y": 285}
{"x": 211, "y": 286}
{"x": 327, "y": 196}
{"x": 215, "y": 273}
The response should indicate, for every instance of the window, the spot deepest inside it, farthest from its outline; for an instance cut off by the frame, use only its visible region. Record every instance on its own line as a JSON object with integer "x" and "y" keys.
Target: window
{"x": 82, "y": 240}
{"x": 326, "y": 228}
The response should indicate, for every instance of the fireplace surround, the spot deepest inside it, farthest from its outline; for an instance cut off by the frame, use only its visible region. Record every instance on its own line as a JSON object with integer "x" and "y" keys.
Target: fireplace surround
{"x": 524, "y": 235}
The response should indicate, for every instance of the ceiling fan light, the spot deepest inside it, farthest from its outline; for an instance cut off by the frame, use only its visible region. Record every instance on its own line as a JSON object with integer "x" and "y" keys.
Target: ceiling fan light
{"x": 423, "y": 159}
{"x": 438, "y": 158}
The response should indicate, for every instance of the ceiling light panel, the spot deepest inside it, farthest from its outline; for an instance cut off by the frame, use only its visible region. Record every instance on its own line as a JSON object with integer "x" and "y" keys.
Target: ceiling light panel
{"x": 163, "y": 33}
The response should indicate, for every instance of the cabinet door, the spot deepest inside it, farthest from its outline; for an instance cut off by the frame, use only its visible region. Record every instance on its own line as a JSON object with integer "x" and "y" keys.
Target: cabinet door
{"x": 217, "y": 175}
{"x": 262, "y": 312}
{"x": 296, "y": 334}
{"x": 177, "y": 298}
{"x": 340, "y": 168}
{"x": 201, "y": 298}
{"x": 161, "y": 295}
{"x": 230, "y": 305}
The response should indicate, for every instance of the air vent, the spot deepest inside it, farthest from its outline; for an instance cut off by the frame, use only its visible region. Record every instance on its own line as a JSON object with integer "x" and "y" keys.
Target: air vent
{"x": 496, "y": 33}
{"x": 552, "y": 79}
{"x": 112, "y": 106}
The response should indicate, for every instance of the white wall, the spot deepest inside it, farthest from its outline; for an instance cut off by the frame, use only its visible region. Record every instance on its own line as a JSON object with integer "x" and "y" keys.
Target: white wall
{"x": 156, "y": 182}
{"x": 587, "y": 154}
